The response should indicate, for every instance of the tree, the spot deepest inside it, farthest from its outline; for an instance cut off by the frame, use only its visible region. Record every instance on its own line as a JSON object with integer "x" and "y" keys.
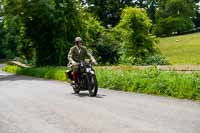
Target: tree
{"x": 174, "y": 17}
{"x": 134, "y": 31}
{"x": 2, "y": 47}
{"x": 141, "y": 3}
{"x": 46, "y": 27}
{"x": 108, "y": 11}
{"x": 197, "y": 18}
{"x": 99, "y": 39}
{"x": 9, "y": 30}
{"x": 149, "y": 5}
{"x": 151, "y": 9}
{"x": 91, "y": 28}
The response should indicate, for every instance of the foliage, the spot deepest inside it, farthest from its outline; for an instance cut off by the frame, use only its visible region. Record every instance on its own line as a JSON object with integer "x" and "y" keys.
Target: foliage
{"x": 134, "y": 32}
{"x": 91, "y": 28}
{"x": 9, "y": 37}
{"x": 2, "y": 47}
{"x": 44, "y": 26}
{"x": 196, "y": 19}
{"x": 156, "y": 59}
{"x": 174, "y": 17}
{"x": 42, "y": 31}
{"x": 173, "y": 25}
{"x": 150, "y": 81}
{"x": 97, "y": 38}
{"x": 43, "y": 35}
{"x": 107, "y": 48}
{"x": 151, "y": 9}
{"x": 108, "y": 11}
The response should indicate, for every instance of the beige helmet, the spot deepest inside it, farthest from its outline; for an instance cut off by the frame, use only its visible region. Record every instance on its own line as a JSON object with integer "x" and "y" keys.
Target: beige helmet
{"x": 78, "y": 39}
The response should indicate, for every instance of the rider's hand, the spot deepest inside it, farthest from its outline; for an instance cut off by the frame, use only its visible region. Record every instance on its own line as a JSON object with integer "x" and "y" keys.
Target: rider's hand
{"x": 74, "y": 63}
{"x": 94, "y": 62}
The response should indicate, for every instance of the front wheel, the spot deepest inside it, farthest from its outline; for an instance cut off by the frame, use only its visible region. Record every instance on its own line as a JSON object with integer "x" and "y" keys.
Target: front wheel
{"x": 76, "y": 88}
{"x": 92, "y": 85}
{"x": 76, "y": 91}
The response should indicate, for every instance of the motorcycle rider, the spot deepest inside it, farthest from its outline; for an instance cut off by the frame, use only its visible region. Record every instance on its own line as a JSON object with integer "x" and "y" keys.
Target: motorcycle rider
{"x": 76, "y": 54}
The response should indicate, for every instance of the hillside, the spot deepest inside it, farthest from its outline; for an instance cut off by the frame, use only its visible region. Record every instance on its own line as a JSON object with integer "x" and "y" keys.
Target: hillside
{"x": 184, "y": 49}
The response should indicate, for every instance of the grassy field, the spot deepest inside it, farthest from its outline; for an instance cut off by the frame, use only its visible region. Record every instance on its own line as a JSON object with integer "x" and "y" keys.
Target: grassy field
{"x": 149, "y": 81}
{"x": 184, "y": 49}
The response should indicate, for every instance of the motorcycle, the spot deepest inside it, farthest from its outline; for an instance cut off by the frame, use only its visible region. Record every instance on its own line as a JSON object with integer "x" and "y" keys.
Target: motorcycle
{"x": 86, "y": 79}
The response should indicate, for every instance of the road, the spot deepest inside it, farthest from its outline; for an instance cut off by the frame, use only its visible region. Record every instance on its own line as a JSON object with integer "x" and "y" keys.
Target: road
{"x": 33, "y": 105}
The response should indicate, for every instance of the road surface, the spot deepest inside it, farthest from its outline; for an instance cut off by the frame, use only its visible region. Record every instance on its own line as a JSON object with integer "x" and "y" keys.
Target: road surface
{"x": 33, "y": 105}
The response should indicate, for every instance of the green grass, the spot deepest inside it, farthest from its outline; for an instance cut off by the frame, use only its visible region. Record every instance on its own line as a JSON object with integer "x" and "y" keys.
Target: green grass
{"x": 184, "y": 49}
{"x": 150, "y": 81}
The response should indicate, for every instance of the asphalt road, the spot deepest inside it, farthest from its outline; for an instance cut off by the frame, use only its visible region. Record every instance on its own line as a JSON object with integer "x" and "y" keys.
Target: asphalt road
{"x": 33, "y": 105}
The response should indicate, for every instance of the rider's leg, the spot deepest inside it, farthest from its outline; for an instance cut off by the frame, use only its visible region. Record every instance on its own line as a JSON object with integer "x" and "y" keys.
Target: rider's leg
{"x": 75, "y": 72}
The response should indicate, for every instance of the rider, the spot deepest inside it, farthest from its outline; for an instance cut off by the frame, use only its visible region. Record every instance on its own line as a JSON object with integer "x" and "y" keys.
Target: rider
{"x": 76, "y": 54}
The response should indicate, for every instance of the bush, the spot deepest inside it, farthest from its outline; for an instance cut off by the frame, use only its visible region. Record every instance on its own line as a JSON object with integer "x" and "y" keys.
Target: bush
{"x": 107, "y": 49}
{"x": 134, "y": 33}
{"x": 156, "y": 59}
{"x": 172, "y": 25}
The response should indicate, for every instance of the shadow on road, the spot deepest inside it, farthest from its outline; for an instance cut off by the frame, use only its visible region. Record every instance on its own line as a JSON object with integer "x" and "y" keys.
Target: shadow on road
{"x": 81, "y": 95}
{"x": 4, "y": 77}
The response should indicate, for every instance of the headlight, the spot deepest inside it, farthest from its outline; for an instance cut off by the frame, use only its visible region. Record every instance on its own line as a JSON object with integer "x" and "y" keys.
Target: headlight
{"x": 88, "y": 69}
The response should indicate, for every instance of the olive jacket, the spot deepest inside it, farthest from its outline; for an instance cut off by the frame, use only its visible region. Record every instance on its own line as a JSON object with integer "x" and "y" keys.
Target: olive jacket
{"x": 76, "y": 54}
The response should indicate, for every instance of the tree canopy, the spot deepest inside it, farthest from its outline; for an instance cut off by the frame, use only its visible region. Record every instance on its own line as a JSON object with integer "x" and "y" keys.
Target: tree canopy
{"x": 43, "y": 27}
{"x": 42, "y": 31}
{"x": 175, "y": 16}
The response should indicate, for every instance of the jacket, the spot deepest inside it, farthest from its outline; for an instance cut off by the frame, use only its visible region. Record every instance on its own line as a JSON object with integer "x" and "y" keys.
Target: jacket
{"x": 75, "y": 56}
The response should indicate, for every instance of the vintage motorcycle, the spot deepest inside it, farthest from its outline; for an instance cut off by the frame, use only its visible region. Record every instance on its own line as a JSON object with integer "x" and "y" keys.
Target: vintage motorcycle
{"x": 86, "y": 80}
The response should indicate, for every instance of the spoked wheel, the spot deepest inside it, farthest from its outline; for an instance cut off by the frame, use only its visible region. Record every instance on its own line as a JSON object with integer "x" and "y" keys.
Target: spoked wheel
{"x": 92, "y": 86}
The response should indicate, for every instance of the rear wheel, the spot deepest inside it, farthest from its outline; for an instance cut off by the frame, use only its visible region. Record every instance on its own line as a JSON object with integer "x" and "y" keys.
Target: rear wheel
{"x": 92, "y": 86}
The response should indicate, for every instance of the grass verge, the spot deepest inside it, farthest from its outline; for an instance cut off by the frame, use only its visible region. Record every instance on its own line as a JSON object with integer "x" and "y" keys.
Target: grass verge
{"x": 150, "y": 81}
{"x": 56, "y": 73}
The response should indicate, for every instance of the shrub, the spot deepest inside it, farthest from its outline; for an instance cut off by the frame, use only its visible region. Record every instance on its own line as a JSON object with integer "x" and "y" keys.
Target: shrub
{"x": 156, "y": 59}
{"x": 134, "y": 33}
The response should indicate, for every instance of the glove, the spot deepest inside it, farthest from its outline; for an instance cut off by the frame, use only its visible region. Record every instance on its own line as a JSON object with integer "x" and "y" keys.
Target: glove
{"x": 74, "y": 63}
{"x": 94, "y": 62}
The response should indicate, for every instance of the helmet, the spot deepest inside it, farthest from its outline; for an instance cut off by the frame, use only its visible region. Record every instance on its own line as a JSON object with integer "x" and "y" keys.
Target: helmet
{"x": 78, "y": 39}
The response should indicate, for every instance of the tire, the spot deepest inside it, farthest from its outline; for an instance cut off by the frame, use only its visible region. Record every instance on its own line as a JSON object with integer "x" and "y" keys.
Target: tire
{"x": 76, "y": 90}
{"x": 92, "y": 86}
